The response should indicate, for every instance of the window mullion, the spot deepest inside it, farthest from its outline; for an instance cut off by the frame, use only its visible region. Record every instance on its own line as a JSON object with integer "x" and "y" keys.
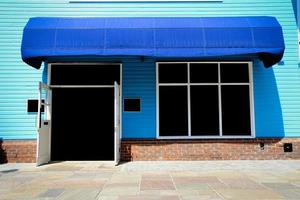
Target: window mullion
{"x": 189, "y": 101}
{"x": 220, "y": 101}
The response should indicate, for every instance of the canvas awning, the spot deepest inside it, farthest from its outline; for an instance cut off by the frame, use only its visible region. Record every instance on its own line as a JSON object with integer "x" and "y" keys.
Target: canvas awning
{"x": 197, "y": 37}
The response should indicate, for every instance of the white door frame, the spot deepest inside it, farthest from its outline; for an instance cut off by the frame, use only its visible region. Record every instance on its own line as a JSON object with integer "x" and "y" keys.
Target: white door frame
{"x": 72, "y": 64}
{"x": 117, "y": 138}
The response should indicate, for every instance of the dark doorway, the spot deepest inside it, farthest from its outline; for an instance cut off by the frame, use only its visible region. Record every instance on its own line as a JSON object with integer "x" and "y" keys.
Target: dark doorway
{"x": 82, "y": 115}
{"x": 82, "y": 124}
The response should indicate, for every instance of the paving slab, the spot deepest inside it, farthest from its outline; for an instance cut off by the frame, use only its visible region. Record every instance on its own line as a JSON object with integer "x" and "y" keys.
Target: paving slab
{"x": 52, "y": 193}
{"x": 238, "y": 194}
{"x": 103, "y": 197}
{"x": 112, "y": 191}
{"x": 290, "y": 194}
{"x": 160, "y": 192}
{"x": 156, "y": 182}
{"x": 23, "y": 193}
{"x": 279, "y": 185}
{"x": 79, "y": 194}
{"x": 242, "y": 183}
{"x": 193, "y": 183}
{"x": 149, "y": 197}
{"x": 188, "y": 180}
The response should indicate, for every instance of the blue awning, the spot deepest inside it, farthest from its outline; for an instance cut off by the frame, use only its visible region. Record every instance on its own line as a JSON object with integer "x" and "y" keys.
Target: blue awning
{"x": 200, "y": 37}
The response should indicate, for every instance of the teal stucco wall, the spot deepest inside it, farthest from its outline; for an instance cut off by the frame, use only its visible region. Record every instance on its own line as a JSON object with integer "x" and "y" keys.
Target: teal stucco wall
{"x": 276, "y": 90}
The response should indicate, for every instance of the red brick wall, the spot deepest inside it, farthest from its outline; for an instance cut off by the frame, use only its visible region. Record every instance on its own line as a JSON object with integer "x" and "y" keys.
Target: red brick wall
{"x": 133, "y": 150}
{"x": 233, "y": 149}
{"x": 19, "y": 150}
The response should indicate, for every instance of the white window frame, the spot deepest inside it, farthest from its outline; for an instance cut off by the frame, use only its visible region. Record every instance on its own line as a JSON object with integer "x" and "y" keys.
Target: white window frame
{"x": 99, "y": 1}
{"x": 188, "y": 84}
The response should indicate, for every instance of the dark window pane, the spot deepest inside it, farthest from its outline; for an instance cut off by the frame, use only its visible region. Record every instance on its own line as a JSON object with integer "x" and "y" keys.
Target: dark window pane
{"x": 85, "y": 74}
{"x": 236, "y": 110}
{"x": 203, "y": 73}
{"x": 132, "y": 105}
{"x": 204, "y": 110}
{"x": 172, "y": 73}
{"x": 173, "y": 111}
{"x": 234, "y": 73}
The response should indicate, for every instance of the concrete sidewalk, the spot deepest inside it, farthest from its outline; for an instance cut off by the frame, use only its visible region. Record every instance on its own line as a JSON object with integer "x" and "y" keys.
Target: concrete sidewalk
{"x": 190, "y": 180}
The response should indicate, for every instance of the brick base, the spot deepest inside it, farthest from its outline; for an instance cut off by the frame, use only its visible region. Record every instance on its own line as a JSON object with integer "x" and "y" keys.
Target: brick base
{"x": 224, "y": 149}
{"x": 134, "y": 150}
{"x": 18, "y": 151}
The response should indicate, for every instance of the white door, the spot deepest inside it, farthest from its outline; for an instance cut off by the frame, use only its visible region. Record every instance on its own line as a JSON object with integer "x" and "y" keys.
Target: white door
{"x": 43, "y": 126}
{"x": 117, "y": 123}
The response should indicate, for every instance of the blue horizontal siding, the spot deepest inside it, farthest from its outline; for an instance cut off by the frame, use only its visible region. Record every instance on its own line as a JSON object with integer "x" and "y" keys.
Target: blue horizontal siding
{"x": 139, "y": 82}
{"x": 276, "y": 90}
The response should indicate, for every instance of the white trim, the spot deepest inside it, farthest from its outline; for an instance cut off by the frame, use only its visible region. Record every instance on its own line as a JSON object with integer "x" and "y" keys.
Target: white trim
{"x": 100, "y": 1}
{"x": 189, "y": 100}
{"x": 220, "y": 101}
{"x": 81, "y": 86}
{"x": 49, "y": 101}
{"x": 48, "y": 73}
{"x": 157, "y": 101}
{"x": 298, "y": 29}
{"x": 72, "y": 64}
{"x": 205, "y": 137}
{"x": 38, "y": 120}
{"x": 219, "y": 84}
{"x": 202, "y": 62}
{"x": 252, "y": 115}
{"x": 83, "y": 63}
{"x": 117, "y": 139}
{"x": 120, "y": 102}
{"x": 186, "y": 84}
{"x": 298, "y": 14}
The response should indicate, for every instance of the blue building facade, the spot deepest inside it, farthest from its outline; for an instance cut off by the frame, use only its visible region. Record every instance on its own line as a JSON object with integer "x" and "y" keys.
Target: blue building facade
{"x": 274, "y": 111}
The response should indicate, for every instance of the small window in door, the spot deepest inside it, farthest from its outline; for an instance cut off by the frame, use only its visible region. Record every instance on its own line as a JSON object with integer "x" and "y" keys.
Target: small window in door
{"x": 132, "y": 105}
